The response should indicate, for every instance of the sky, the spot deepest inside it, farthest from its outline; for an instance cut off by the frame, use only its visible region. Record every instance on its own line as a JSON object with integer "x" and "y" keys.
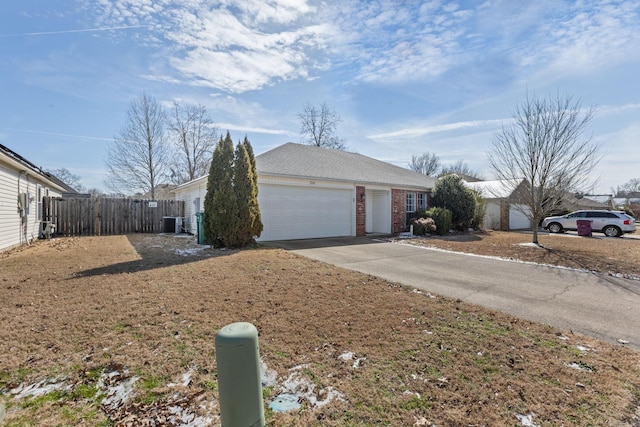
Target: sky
{"x": 405, "y": 77}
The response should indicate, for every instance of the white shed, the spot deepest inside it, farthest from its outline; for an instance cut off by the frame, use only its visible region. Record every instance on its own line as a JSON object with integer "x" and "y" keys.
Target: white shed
{"x": 311, "y": 192}
{"x": 22, "y": 187}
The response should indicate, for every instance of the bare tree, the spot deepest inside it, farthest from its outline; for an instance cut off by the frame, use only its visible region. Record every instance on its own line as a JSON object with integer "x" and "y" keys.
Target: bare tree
{"x": 631, "y": 188}
{"x": 138, "y": 157}
{"x": 318, "y": 126}
{"x": 426, "y": 163}
{"x": 194, "y": 137}
{"x": 72, "y": 180}
{"x": 462, "y": 169}
{"x": 547, "y": 147}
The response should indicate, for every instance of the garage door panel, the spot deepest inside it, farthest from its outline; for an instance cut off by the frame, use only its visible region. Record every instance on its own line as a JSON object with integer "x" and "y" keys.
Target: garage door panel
{"x": 301, "y": 212}
{"x": 517, "y": 219}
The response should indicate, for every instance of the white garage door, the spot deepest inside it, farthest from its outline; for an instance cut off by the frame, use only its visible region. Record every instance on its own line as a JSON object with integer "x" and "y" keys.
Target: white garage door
{"x": 517, "y": 219}
{"x": 290, "y": 212}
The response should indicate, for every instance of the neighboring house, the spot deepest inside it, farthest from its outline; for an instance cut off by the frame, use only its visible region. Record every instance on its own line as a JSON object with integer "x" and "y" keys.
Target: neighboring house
{"x": 22, "y": 187}
{"x": 572, "y": 203}
{"x": 311, "y": 192}
{"x": 501, "y": 210}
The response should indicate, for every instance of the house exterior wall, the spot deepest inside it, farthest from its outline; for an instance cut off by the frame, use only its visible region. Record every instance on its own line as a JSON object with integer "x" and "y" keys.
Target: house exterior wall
{"x": 192, "y": 195}
{"x": 492, "y": 215}
{"x": 16, "y": 228}
{"x": 395, "y": 200}
{"x": 398, "y": 210}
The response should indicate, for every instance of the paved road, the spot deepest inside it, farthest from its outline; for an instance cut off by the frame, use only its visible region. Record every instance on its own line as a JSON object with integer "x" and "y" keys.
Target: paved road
{"x": 601, "y": 306}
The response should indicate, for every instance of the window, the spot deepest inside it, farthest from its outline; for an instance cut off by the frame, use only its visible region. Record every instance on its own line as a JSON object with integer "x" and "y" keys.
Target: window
{"x": 39, "y": 199}
{"x": 196, "y": 203}
{"x": 422, "y": 201}
{"x": 577, "y": 215}
{"x": 411, "y": 202}
{"x": 601, "y": 215}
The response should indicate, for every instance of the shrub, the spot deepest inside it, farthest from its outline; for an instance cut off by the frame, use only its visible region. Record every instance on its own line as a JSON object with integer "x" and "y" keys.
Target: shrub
{"x": 451, "y": 193}
{"x": 442, "y": 219}
{"x": 478, "y": 217}
{"x": 422, "y": 226}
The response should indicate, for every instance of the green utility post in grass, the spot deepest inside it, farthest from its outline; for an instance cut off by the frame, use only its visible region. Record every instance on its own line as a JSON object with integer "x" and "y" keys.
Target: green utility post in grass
{"x": 239, "y": 383}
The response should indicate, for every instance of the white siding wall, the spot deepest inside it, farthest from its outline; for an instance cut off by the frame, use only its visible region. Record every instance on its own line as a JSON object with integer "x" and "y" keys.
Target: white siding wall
{"x": 13, "y": 230}
{"x": 193, "y": 197}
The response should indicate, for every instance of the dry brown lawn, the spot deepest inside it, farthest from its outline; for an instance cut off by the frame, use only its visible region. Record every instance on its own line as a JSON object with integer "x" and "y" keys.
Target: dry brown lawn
{"x": 85, "y": 318}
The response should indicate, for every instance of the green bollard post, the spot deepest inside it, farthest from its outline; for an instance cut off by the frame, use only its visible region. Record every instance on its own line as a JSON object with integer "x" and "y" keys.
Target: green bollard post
{"x": 239, "y": 385}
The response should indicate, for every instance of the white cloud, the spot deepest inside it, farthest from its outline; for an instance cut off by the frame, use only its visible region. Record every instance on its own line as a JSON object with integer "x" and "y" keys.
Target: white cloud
{"x": 396, "y": 42}
{"x": 588, "y": 36}
{"x": 231, "y": 45}
{"x": 414, "y": 132}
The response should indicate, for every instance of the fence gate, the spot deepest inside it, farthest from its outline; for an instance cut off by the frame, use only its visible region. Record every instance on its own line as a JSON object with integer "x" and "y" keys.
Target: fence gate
{"x": 90, "y": 216}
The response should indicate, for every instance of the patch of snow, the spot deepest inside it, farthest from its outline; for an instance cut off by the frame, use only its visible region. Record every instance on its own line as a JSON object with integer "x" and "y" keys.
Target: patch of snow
{"x": 358, "y": 362}
{"x": 118, "y": 388}
{"x": 186, "y": 380}
{"x": 39, "y": 389}
{"x": 118, "y": 394}
{"x": 189, "y": 251}
{"x": 527, "y": 420}
{"x": 298, "y": 387}
{"x": 429, "y": 294}
{"x": 531, "y": 245}
{"x": 582, "y": 348}
{"x": 579, "y": 367}
{"x": 182, "y": 417}
{"x": 621, "y": 341}
{"x": 268, "y": 377}
{"x": 563, "y": 338}
{"x": 347, "y": 356}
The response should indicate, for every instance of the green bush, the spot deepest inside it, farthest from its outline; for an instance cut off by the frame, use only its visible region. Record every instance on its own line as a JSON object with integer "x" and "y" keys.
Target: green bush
{"x": 451, "y": 193}
{"x": 478, "y": 217}
{"x": 441, "y": 217}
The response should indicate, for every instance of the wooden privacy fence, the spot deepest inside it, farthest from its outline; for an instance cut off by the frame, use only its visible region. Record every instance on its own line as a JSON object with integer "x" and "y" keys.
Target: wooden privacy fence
{"x": 80, "y": 216}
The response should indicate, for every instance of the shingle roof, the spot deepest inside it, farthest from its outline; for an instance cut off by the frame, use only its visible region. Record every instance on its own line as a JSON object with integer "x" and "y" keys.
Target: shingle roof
{"x": 306, "y": 161}
{"x": 15, "y": 157}
{"x": 498, "y": 189}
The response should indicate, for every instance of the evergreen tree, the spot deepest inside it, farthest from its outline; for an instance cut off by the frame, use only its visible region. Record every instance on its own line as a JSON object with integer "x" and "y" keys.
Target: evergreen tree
{"x": 254, "y": 208}
{"x": 243, "y": 185}
{"x": 451, "y": 193}
{"x": 221, "y": 213}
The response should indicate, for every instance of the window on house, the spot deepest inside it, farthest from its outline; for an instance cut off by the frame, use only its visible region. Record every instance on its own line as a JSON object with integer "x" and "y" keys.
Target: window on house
{"x": 411, "y": 202}
{"x": 39, "y": 200}
{"x": 422, "y": 201}
{"x": 196, "y": 203}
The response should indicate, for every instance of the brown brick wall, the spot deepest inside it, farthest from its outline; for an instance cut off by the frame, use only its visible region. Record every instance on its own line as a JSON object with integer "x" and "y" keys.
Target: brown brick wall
{"x": 361, "y": 212}
{"x": 504, "y": 216}
{"x": 398, "y": 210}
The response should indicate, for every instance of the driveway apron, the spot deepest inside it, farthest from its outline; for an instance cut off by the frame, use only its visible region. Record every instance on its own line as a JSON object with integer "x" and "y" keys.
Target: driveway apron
{"x": 598, "y": 305}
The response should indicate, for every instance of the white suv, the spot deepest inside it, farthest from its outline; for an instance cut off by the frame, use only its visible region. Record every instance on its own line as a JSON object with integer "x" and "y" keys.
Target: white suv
{"x": 611, "y": 223}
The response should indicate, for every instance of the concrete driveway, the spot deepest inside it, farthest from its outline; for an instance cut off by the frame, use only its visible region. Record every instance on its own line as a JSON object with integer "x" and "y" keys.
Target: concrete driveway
{"x": 598, "y": 305}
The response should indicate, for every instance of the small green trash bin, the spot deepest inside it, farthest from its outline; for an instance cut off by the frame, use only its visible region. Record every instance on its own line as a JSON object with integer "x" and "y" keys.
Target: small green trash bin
{"x": 200, "y": 226}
